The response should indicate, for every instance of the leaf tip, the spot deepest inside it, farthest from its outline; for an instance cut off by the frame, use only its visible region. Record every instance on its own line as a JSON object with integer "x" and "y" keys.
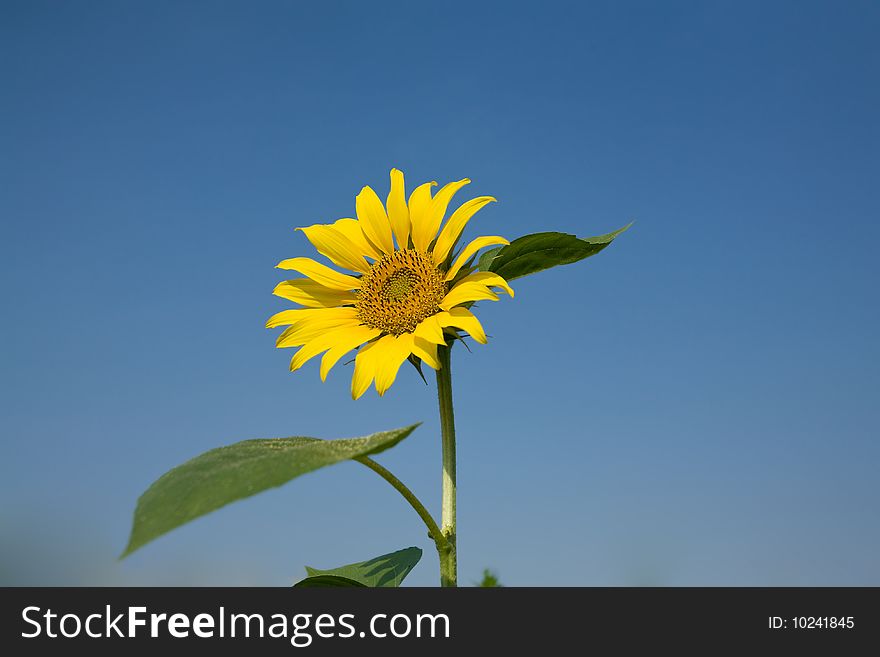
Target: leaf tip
{"x": 129, "y": 549}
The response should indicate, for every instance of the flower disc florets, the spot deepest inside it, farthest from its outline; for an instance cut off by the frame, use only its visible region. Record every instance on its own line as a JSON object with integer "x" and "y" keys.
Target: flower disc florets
{"x": 399, "y": 291}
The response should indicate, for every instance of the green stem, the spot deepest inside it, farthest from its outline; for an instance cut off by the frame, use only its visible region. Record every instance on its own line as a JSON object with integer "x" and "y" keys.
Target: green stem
{"x": 449, "y": 555}
{"x": 409, "y": 496}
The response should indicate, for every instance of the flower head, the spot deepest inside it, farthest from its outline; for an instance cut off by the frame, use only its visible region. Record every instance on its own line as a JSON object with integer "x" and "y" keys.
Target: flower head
{"x": 410, "y": 288}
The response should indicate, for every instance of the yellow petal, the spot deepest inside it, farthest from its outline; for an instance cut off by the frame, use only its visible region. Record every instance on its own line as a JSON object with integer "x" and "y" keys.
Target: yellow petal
{"x": 427, "y": 351}
{"x": 365, "y": 367}
{"x": 351, "y": 230}
{"x": 317, "y": 345}
{"x": 306, "y": 331}
{"x": 420, "y": 206}
{"x": 353, "y": 338}
{"x": 426, "y": 230}
{"x": 390, "y": 361}
{"x": 464, "y": 319}
{"x": 321, "y": 273}
{"x": 487, "y": 278}
{"x": 398, "y": 212}
{"x": 307, "y": 292}
{"x": 373, "y": 220}
{"x": 454, "y": 227}
{"x": 428, "y": 329}
{"x": 470, "y": 250}
{"x": 294, "y": 315}
{"x": 336, "y": 246}
{"x": 469, "y": 292}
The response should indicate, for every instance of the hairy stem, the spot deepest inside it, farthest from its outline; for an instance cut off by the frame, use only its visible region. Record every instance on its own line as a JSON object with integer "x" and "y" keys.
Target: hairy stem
{"x": 448, "y": 555}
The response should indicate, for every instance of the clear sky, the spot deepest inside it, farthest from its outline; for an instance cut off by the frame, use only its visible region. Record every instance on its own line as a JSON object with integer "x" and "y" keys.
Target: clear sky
{"x": 696, "y": 405}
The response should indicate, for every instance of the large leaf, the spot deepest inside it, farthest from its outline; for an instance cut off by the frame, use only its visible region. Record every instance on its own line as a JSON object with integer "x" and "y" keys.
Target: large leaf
{"x": 329, "y": 581}
{"x": 387, "y": 570}
{"x": 224, "y": 475}
{"x": 533, "y": 253}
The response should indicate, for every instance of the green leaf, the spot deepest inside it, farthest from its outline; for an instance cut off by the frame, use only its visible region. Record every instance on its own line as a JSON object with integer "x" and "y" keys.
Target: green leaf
{"x": 490, "y": 580}
{"x": 486, "y": 259}
{"x": 533, "y": 253}
{"x": 224, "y": 475}
{"x": 389, "y": 570}
{"x": 329, "y": 581}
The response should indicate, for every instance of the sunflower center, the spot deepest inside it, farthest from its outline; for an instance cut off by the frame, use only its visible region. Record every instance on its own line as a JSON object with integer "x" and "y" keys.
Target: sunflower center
{"x": 400, "y": 290}
{"x": 399, "y": 285}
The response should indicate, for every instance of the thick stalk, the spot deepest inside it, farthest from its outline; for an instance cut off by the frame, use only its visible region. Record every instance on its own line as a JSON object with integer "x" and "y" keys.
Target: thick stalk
{"x": 448, "y": 554}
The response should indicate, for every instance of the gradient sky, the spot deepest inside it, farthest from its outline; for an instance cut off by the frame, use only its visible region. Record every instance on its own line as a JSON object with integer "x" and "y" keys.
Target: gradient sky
{"x": 697, "y": 405}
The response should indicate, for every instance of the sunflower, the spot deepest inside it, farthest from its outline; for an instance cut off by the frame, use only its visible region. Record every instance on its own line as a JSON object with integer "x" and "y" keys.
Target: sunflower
{"x": 400, "y": 302}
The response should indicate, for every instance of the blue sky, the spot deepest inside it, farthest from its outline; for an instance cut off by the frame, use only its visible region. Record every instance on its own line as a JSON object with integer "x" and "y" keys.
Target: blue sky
{"x": 697, "y": 405}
